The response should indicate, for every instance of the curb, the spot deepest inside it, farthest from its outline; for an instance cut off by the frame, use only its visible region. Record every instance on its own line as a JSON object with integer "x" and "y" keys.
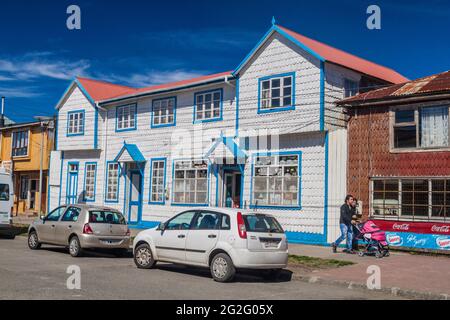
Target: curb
{"x": 394, "y": 291}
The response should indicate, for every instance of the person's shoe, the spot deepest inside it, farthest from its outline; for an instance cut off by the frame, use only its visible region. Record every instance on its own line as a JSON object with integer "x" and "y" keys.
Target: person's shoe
{"x": 334, "y": 247}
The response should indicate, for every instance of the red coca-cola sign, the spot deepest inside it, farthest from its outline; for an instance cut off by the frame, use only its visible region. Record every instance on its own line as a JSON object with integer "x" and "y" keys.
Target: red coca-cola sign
{"x": 414, "y": 227}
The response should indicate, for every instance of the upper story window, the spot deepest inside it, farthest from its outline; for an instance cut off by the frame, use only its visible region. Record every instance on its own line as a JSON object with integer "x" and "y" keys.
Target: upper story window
{"x": 126, "y": 117}
{"x": 424, "y": 127}
{"x": 208, "y": 106}
{"x": 276, "y": 180}
{"x": 164, "y": 112}
{"x": 20, "y": 143}
{"x": 276, "y": 93}
{"x": 75, "y": 123}
{"x": 351, "y": 88}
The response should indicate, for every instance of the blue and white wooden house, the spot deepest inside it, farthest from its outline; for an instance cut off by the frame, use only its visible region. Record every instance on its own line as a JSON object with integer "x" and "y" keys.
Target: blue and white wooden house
{"x": 266, "y": 136}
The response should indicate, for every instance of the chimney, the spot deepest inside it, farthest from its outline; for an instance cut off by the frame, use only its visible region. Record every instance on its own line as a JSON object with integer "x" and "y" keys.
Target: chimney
{"x": 2, "y": 115}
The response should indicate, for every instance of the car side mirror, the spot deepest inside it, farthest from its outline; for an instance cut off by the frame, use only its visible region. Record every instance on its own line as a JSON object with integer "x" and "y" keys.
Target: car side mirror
{"x": 162, "y": 226}
{"x": 42, "y": 217}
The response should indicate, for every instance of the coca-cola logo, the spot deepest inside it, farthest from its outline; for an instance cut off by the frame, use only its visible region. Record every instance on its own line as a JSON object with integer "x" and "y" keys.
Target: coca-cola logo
{"x": 401, "y": 226}
{"x": 441, "y": 229}
{"x": 394, "y": 239}
{"x": 443, "y": 242}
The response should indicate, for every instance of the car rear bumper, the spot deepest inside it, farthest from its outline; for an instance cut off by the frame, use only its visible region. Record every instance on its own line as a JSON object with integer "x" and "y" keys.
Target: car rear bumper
{"x": 246, "y": 259}
{"x": 89, "y": 241}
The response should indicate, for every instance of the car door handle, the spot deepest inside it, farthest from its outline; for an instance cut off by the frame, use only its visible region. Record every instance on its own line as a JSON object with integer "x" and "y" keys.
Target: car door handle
{"x": 69, "y": 227}
{"x": 212, "y": 236}
{"x": 181, "y": 236}
{"x": 53, "y": 225}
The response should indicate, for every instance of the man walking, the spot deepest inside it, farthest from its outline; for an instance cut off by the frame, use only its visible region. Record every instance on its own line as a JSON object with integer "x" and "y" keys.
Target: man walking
{"x": 345, "y": 223}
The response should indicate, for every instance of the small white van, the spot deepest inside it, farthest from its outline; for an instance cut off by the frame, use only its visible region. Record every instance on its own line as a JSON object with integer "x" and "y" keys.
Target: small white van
{"x": 6, "y": 202}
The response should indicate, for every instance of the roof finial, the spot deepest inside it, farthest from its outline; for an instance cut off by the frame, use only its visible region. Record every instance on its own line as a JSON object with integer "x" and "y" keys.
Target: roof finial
{"x": 274, "y": 22}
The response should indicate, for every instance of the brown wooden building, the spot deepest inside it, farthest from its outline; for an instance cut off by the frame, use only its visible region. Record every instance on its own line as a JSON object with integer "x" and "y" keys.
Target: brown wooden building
{"x": 399, "y": 159}
{"x": 20, "y": 153}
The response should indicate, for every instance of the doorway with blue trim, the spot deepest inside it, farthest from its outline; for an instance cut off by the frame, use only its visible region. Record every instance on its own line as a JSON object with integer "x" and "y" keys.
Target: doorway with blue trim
{"x": 134, "y": 177}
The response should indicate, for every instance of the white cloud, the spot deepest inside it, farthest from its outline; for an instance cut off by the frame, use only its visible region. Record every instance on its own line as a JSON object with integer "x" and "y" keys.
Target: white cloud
{"x": 34, "y": 65}
{"x": 20, "y": 92}
{"x": 152, "y": 77}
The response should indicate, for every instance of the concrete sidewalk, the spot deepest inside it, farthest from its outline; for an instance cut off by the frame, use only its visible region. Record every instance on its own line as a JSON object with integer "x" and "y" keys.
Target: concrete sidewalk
{"x": 425, "y": 275}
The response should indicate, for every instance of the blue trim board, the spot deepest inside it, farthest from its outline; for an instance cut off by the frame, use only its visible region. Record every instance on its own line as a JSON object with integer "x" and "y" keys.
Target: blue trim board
{"x": 236, "y": 134}
{"x": 220, "y": 118}
{"x": 140, "y": 197}
{"x": 322, "y": 96}
{"x": 230, "y": 144}
{"x": 325, "y": 205}
{"x": 95, "y": 181}
{"x": 87, "y": 95}
{"x": 208, "y": 182}
{"x": 164, "y": 181}
{"x": 133, "y": 151}
{"x": 279, "y": 153}
{"x": 60, "y": 178}
{"x": 293, "y": 93}
{"x": 135, "y": 118}
{"x": 152, "y": 125}
{"x": 118, "y": 182}
{"x": 68, "y": 120}
{"x": 96, "y": 127}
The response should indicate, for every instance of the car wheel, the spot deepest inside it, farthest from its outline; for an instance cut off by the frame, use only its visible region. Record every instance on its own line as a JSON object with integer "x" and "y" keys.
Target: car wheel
{"x": 33, "y": 241}
{"x": 75, "y": 249}
{"x": 143, "y": 257}
{"x": 222, "y": 268}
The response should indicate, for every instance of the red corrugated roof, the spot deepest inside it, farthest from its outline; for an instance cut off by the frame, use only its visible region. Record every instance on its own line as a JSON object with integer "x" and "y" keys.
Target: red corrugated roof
{"x": 100, "y": 90}
{"x": 437, "y": 83}
{"x": 347, "y": 60}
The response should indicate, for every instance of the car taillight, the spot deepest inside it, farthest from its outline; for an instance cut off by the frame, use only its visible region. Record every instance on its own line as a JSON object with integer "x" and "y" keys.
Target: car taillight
{"x": 241, "y": 226}
{"x": 87, "y": 229}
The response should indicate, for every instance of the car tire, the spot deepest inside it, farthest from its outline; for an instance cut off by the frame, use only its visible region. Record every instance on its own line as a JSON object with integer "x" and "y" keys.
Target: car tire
{"x": 222, "y": 268}
{"x": 143, "y": 257}
{"x": 33, "y": 241}
{"x": 75, "y": 249}
{"x": 272, "y": 274}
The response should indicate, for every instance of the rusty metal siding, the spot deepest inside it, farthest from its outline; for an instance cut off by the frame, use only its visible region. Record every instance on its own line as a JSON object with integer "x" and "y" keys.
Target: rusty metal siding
{"x": 370, "y": 156}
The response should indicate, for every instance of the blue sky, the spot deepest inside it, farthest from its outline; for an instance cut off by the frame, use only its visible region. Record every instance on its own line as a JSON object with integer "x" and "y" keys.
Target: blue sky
{"x": 140, "y": 43}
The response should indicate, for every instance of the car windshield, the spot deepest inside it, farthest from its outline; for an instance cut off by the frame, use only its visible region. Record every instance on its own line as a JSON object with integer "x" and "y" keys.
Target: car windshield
{"x": 104, "y": 216}
{"x": 262, "y": 223}
{"x": 4, "y": 192}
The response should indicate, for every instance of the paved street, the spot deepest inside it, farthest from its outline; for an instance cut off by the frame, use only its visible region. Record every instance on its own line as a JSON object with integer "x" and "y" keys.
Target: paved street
{"x": 26, "y": 274}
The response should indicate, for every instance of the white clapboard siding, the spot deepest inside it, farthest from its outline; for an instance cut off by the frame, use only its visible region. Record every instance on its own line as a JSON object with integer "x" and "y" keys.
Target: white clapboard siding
{"x": 76, "y": 101}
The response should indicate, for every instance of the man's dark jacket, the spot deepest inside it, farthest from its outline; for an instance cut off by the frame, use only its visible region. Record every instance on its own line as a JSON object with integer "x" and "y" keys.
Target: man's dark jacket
{"x": 346, "y": 214}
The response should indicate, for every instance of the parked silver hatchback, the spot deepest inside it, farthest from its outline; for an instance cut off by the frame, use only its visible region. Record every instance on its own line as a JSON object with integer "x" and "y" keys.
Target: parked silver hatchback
{"x": 81, "y": 227}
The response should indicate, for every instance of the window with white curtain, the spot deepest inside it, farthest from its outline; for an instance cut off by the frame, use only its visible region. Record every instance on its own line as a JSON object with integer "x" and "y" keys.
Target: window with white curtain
{"x": 424, "y": 127}
{"x": 190, "y": 182}
{"x": 20, "y": 143}
{"x": 126, "y": 117}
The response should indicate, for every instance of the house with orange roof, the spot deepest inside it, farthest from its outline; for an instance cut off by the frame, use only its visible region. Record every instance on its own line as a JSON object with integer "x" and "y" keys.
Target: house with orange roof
{"x": 266, "y": 136}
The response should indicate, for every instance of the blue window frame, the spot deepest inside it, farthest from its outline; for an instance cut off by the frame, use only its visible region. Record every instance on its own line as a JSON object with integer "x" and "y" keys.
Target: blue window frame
{"x": 158, "y": 181}
{"x": 190, "y": 182}
{"x": 208, "y": 106}
{"x": 112, "y": 182}
{"x": 164, "y": 112}
{"x": 90, "y": 181}
{"x": 126, "y": 117}
{"x": 276, "y": 180}
{"x": 75, "y": 123}
{"x": 276, "y": 93}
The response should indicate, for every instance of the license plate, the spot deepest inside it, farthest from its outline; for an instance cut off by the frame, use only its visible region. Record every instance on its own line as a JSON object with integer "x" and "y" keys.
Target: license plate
{"x": 109, "y": 241}
{"x": 4, "y": 218}
{"x": 271, "y": 244}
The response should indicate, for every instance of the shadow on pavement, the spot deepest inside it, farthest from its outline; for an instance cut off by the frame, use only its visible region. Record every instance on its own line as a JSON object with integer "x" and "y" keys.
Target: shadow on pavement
{"x": 97, "y": 253}
{"x": 242, "y": 276}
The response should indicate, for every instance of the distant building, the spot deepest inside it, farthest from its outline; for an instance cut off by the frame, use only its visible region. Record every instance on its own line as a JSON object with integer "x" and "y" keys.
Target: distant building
{"x": 399, "y": 159}
{"x": 20, "y": 153}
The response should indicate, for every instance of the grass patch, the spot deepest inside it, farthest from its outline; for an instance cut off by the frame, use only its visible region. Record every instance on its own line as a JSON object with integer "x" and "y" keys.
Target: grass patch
{"x": 317, "y": 263}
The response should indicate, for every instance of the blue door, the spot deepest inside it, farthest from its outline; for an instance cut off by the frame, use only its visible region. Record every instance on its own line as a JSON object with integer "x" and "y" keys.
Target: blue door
{"x": 135, "y": 197}
{"x": 72, "y": 184}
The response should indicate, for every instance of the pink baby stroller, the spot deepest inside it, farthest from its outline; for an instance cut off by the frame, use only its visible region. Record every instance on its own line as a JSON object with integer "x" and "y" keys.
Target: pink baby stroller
{"x": 374, "y": 240}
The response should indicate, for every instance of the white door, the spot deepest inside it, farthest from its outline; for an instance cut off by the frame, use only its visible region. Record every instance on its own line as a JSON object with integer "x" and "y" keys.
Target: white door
{"x": 203, "y": 236}
{"x": 171, "y": 243}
